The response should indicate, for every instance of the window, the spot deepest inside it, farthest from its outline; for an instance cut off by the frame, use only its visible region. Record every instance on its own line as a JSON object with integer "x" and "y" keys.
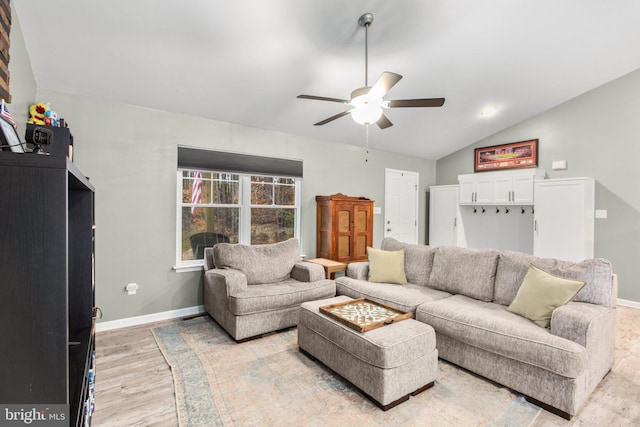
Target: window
{"x": 273, "y": 209}
{"x": 216, "y": 207}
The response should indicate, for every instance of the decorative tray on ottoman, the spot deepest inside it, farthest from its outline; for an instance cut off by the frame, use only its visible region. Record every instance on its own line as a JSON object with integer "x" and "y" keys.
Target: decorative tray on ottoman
{"x": 364, "y": 315}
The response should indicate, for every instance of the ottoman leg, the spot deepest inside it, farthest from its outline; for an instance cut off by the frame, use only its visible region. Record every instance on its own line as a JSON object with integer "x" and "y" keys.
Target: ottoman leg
{"x": 421, "y": 389}
{"x": 306, "y": 353}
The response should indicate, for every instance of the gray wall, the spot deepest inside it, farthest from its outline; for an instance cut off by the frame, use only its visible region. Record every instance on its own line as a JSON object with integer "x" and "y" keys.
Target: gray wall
{"x": 130, "y": 154}
{"x": 598, "y": 133}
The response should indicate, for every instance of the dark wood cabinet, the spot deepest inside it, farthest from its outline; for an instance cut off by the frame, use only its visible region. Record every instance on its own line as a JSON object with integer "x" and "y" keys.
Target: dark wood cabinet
{"x": 47, "y": 282}
{"x": 344, "y": 227}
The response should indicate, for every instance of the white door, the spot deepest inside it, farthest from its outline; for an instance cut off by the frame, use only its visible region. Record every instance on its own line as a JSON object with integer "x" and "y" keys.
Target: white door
{"x": 401, "y": 205}
{"x": 443, "y": 215}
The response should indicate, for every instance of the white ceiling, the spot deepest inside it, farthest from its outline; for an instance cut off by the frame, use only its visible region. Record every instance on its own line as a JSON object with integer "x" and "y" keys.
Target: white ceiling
{"x": 245, "y": 61}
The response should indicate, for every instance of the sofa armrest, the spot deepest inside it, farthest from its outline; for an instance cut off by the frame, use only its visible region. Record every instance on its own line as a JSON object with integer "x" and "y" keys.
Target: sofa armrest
{"x": 592, "y": 326}
{"x": 307, "y": 272}
{"x": 579, "y": 321}
{"x": 358, "y": 270}
{"x": 232, "y": 281}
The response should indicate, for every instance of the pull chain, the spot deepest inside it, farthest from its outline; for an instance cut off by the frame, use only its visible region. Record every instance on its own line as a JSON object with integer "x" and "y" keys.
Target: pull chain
{"x": 366, "y": 157}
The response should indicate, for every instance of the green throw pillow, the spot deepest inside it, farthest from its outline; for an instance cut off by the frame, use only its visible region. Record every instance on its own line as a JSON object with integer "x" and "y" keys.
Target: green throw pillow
{"x": 386, "y": 266}
{"x": 541, "y": 293}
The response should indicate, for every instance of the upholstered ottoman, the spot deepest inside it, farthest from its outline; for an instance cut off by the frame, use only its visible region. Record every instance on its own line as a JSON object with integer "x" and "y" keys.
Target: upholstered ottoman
{"x": 388, "y": 364}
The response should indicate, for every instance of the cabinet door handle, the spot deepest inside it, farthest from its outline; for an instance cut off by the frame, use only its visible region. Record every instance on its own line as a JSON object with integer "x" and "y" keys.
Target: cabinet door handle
{"x": 509, "y": 195}
{"x": 535, "y": 225}
{"x": 455, "y": 222}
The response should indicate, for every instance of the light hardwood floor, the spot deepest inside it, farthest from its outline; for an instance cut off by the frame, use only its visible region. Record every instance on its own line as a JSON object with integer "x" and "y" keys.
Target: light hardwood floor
{"x": 134, "y": 385}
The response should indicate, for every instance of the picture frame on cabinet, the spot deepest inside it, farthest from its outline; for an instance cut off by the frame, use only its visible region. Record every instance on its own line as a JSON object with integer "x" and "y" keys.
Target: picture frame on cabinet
{"x": 521, "y": 154}
{"x": 9, "y": 139}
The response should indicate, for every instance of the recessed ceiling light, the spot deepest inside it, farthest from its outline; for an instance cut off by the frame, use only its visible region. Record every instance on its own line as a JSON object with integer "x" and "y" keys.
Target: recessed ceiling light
{"x": 489, "y": 111}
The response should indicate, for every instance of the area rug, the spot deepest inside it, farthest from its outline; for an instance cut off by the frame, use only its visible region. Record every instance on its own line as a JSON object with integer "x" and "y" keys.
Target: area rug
{"x": 269, "y": 382}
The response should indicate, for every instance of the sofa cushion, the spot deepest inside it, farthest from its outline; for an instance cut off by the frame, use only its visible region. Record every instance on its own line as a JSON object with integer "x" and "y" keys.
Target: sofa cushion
{"x": 260, "y": 263}
{"x": 541, "y": 293}
{"x": 405, "y": 298}
{"x": 469, "y": 272}
{"x": 418, "y": 259}
{"x": 597, "y": 273}
{"x": 276, "y": 296}
{"x": 386, "y": 266}
{"x": 493, "y": 328}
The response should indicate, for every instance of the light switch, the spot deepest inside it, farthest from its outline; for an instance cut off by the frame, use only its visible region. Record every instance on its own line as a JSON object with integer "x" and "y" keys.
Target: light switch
{"x": 377, "y": 210}
{"x": 601, "y": 213}
{"x": 559, "y": 165}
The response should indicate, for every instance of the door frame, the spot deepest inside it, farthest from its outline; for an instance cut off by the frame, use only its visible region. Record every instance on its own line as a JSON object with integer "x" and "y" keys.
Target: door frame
{"x": 417, "y": 198}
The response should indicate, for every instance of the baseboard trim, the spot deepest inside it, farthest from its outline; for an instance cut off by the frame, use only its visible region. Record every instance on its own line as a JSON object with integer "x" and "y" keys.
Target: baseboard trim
{"x": 149, "y": 318}
{"x": 629, "y": 303}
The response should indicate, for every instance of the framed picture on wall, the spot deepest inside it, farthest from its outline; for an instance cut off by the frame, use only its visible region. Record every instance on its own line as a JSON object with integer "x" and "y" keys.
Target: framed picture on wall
{"x": 523, "y": 154}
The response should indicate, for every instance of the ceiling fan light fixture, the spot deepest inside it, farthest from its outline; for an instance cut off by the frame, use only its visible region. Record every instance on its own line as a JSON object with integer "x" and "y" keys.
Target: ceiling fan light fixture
{"x": 367, "y": 102}
{"x": 366, "y": 114}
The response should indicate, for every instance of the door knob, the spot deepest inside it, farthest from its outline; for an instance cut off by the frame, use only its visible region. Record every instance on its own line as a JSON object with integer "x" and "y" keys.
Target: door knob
{"x": 388, "y": 229}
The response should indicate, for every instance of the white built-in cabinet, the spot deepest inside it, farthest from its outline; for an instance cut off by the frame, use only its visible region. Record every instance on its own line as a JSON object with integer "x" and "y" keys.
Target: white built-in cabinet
{"x": 499, "y": 188}
{"x": 445, "y": 227}
{"x": 475, "y": 189}
{"x": 564, "y": 219}
{"x": 549, "y": 218}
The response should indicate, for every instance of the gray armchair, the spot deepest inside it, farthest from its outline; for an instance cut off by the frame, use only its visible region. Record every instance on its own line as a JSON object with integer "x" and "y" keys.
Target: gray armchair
{"x": 252, "y": 290}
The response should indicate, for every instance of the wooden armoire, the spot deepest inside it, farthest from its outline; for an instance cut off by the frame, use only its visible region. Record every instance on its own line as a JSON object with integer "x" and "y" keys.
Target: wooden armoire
{"x": 344, "y": 227}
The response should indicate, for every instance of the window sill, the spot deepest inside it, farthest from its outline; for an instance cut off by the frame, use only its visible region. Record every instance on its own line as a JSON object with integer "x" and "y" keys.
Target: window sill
{"x": 188, "y": 268}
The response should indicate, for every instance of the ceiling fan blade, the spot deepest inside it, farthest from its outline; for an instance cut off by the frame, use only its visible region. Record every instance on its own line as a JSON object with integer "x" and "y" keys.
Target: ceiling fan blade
{"x": 332, "y": 118}
{"x": 322, "y": 98}
{"x": 383, "y": 122}
{"x": 426, "y": 102}
{"x": 385, "y": 82}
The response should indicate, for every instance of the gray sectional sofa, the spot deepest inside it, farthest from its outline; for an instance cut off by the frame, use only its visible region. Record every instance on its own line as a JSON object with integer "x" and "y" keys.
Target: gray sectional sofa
{"x": 464, "y": 295}
{"x": 252, "y": 290}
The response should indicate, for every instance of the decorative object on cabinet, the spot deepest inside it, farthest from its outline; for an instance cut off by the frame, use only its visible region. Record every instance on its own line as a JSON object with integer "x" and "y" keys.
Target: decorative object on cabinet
{"x": 523, "y": 154}
{"x": 344, "y": 227}
{"x": 514, "y": 187}
{"x": 38, "y": 136}
{"x": 9, "y": 139}
{"x": 58, "y": 140}
{"x": 47, "y": 265}
{"x": 564, "y": 218}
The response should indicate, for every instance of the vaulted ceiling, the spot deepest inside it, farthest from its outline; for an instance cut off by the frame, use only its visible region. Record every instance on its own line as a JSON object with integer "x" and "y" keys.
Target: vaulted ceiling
{"x": 245, "y": 61}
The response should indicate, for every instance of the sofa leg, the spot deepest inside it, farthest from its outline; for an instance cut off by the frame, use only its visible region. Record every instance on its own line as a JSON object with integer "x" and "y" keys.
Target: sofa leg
{"x": 549, "y": 408}
{"x": 423, "y": 388}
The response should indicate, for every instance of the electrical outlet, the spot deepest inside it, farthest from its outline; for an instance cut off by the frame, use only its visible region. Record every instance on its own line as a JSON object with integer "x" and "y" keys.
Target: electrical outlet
{"x": 131, "y": 288}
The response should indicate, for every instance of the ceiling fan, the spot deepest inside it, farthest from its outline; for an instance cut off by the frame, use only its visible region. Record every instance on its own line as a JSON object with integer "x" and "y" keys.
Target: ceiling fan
{"x": 367, "y": 103}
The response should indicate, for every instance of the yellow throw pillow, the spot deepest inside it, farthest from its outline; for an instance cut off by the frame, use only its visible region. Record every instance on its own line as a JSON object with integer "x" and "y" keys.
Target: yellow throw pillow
{"x": 541, "y": 293}
{"x": 386, "y": 266}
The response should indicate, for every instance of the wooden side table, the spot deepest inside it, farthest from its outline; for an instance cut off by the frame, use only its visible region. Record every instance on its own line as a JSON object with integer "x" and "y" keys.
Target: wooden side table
{"x": 330, "y": 267}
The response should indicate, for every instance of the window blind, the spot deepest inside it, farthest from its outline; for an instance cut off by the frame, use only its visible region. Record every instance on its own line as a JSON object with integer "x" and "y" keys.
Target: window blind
{"x": 223, "y": 161}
